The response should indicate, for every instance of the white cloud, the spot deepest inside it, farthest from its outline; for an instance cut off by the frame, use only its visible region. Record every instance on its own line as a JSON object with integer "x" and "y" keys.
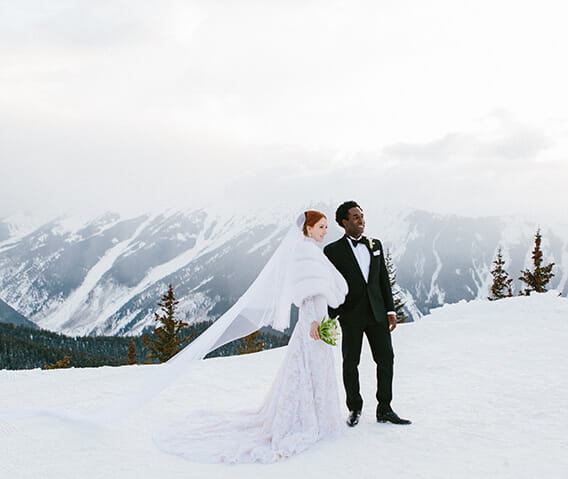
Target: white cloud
{"x": 497, "y": 139}
{"x": 247, "y": 97}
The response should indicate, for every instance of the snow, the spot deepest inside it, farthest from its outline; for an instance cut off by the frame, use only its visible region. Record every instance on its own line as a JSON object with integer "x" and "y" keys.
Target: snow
{"x": 410, "y": 305}
{"x": 20, "y": 224}
{"x": 484, "y": 383}
{"x": 223, "y": 229}
{"x": 57, "y": 320}
{"x": 434, "y": 287}
{"x": 564, "y": 269}
{"x": 100, "y": 305}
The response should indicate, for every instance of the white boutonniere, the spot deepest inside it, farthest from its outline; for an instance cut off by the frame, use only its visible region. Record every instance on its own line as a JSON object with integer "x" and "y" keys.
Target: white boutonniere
{"x": 371, "y": 243}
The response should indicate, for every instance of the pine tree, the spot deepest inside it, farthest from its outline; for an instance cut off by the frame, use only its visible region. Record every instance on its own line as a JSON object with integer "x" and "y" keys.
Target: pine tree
{"x": 132, "y": 353}
{"x": 537, "y": 279}
{"x": 501, "y": 287}
{"x": 166, "y": 340}
{"x": 61, "y": 364}
{"x": 401, "y": 316}
{"x": 251, "y": 344}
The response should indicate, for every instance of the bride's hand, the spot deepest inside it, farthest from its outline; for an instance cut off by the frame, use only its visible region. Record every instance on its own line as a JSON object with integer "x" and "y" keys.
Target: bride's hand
{"x": 314, "y": 333}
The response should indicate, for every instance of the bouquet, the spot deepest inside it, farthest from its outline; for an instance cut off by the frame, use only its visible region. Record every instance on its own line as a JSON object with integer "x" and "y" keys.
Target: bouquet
{"x": 329, "y": 330}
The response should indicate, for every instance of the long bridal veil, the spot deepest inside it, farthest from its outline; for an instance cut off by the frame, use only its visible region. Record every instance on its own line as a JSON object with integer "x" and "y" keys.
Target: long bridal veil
{"x": 267, "y": 302}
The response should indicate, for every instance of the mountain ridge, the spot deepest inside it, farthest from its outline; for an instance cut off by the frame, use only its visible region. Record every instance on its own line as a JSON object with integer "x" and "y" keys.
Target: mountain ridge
{"x": 104, "y": 275}
{"x": 9, "y": 315}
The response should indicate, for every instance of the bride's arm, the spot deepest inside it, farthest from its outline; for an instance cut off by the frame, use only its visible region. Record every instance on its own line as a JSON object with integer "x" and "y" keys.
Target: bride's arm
{"x": 315, "y": 308}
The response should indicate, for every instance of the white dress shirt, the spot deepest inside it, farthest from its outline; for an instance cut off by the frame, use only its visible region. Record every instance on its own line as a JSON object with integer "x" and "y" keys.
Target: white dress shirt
{"x": 363, "y": 257}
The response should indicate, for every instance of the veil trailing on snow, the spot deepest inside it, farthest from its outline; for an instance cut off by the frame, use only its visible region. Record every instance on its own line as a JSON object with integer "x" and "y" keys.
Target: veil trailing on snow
{"x": 297, "y": 269}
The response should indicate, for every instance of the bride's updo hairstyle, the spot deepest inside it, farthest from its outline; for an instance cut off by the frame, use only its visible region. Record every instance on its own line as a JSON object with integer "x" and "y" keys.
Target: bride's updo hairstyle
{"x": 312, "y": 217}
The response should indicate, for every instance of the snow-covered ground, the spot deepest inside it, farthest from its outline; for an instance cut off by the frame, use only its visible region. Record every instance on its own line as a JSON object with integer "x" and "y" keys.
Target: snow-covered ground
{"x": 485, "y": 384}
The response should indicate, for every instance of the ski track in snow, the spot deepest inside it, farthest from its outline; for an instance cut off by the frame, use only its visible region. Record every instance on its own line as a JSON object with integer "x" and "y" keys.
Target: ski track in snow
{"x": 482, "y": 279}
{"x": 433, "y": 287}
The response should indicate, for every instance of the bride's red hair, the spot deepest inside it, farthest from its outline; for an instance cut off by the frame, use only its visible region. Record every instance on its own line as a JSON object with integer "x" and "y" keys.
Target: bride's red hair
{"x": 312, "y": 217}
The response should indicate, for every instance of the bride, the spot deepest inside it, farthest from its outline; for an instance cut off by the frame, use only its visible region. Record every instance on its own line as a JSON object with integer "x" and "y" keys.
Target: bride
{"x": 303, "y": 404}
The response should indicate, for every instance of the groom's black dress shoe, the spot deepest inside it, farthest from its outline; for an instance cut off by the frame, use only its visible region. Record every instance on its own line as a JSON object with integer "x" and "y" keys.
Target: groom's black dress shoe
{"x": 353, "y": 418}
{"x": 391, "y": 416}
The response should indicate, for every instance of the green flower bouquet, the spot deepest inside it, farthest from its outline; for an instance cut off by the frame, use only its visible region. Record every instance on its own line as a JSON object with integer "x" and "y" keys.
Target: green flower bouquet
{"x": 329, "y": 330}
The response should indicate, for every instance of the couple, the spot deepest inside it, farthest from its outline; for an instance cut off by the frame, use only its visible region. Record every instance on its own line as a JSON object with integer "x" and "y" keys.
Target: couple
{"x": 351, "y": 282}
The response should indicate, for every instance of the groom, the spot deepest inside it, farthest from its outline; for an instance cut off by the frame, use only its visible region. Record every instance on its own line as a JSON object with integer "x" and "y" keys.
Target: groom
{"x": 368, "y": 310}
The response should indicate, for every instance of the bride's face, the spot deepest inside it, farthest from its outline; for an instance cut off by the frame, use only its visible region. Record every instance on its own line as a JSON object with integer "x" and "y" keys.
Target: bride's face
{"x": 318, "y": 231}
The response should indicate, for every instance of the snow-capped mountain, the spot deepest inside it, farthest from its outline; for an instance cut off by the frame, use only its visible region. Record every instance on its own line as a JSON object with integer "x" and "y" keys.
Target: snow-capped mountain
{"x": 104, "y": 275}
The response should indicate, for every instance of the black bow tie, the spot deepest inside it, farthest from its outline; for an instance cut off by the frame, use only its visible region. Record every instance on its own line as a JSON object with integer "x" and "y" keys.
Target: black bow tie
{"x": 355, "y": 242}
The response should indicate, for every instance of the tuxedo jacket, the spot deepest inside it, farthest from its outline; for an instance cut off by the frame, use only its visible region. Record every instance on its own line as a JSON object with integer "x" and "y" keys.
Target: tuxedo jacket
{"x": 376, "y": 293}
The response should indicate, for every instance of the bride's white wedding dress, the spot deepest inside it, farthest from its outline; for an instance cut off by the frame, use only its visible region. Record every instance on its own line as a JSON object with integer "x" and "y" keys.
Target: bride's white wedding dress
{"x": 302, "y": 406}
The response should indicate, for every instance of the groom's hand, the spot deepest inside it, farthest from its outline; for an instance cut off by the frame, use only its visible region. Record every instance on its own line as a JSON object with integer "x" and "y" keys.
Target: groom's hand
{"x": 392, "y": 321}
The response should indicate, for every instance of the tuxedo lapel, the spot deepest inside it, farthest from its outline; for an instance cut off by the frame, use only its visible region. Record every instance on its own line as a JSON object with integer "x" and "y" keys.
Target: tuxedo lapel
{"x": 373, "y": 267}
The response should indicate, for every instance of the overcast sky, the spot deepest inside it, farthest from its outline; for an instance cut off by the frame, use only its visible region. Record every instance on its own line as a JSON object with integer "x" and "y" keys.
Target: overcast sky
{"x": 455, "y": 106}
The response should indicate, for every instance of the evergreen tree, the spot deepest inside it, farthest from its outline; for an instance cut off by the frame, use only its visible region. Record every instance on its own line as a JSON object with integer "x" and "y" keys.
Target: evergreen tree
{"x": 251, "y": 344}
{"x": 166, "y": 340}
{"x": 22, "y": 347}
{"x": 61, "y": 364}
{"x": 401, "y": 316}
{"x": 501, "y": 287}
{"x": 132, "y": 353}
{"x": 537, "y": 279}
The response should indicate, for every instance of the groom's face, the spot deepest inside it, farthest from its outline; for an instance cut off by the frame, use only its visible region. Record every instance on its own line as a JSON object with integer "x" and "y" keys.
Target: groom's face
{"x": 355, "y": 223}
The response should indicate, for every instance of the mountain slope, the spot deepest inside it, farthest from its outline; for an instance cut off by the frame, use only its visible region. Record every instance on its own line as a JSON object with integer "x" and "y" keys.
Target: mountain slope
{"x": 105, "y": 275}
{"x": 10, "y": 316}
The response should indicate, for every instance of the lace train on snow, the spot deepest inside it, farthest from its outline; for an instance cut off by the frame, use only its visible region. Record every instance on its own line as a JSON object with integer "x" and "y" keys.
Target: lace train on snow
{"x": 301, "y": 408}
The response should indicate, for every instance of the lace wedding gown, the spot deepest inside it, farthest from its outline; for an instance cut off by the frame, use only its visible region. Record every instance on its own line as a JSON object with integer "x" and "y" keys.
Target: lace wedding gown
{"x": 302, "y": 407}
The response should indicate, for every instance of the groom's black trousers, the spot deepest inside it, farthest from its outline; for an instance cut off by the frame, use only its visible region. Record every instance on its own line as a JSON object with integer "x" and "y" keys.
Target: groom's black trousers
{"x": 379, "y": 338}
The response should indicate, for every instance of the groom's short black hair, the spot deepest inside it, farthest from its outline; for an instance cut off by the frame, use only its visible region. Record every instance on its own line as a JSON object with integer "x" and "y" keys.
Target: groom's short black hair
{"x": 342, "y": 212}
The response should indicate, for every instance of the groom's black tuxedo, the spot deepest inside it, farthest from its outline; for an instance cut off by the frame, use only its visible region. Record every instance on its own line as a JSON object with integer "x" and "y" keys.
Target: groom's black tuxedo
{"x": 364, "y": 311}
